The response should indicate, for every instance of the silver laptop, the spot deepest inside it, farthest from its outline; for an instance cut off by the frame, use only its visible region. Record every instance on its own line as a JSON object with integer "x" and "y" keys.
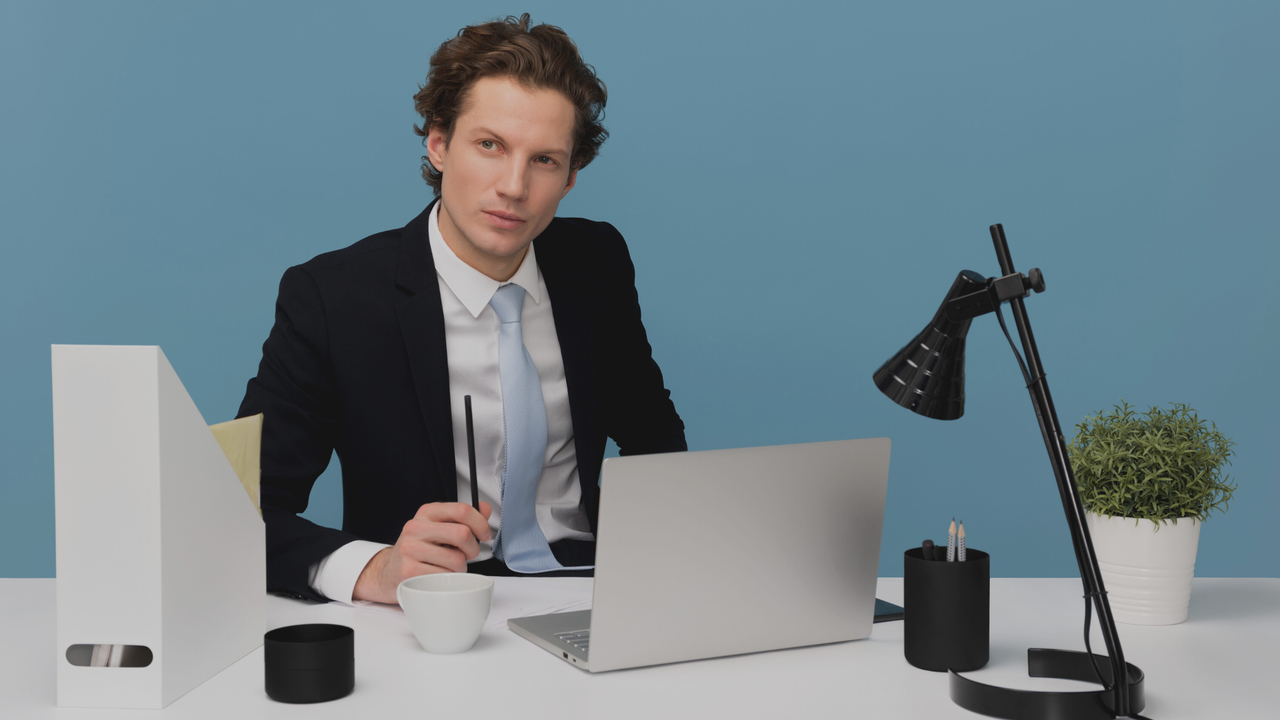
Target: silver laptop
{"x": 722, "y": 552}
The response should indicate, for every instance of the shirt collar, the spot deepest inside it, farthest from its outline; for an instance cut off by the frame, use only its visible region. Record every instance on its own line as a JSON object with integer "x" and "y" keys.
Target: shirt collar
{"x": 472, "y": 287}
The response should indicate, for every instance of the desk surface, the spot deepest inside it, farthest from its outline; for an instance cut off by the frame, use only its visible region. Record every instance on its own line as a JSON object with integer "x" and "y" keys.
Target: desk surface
{"x": 1220, "y": 663}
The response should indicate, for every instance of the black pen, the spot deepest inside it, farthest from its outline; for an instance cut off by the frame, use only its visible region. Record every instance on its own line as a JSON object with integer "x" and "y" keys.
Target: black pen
{"x": 471, "y": 455}
{"x": 926, "y": 549}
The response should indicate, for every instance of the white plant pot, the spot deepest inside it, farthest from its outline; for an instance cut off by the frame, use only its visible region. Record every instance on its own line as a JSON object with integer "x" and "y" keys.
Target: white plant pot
{"x": 1147, "y": 572}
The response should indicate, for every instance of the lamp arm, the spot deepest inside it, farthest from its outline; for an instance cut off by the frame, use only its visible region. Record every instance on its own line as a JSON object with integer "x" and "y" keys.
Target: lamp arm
{"x": 1055, "y": 444}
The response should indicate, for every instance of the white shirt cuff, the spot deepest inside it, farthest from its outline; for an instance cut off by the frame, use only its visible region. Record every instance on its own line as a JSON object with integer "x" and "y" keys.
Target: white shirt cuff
{"x": 335, "y": 576}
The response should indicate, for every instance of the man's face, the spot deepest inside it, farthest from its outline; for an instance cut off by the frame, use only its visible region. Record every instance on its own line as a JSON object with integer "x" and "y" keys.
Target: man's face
{"x": 505, "y": 171}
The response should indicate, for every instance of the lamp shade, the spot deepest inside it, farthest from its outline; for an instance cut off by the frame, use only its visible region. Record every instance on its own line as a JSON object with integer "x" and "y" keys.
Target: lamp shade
{"x": 927, "y": 375}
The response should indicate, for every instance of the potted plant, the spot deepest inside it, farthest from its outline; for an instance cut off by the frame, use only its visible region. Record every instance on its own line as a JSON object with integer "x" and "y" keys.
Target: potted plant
{"x": 1148, "y": 481}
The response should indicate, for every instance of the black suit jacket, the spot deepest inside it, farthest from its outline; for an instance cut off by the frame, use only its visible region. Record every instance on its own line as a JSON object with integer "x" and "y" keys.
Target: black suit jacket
{"x": 356, "y": 363}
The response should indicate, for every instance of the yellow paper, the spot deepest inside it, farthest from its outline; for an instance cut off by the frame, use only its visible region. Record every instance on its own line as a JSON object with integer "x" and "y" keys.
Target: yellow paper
{"x": 241, "y": 441}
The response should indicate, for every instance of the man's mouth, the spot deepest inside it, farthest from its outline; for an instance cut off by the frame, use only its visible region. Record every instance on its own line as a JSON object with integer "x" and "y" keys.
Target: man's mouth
{"x": 504, "y": 220}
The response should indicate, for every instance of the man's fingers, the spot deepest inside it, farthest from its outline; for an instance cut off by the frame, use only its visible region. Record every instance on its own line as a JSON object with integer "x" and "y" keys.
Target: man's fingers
{"x": 441, "y": 537}
{"x": 422, "y": 559}
{"x": 426, "y": 533}
{"x": 459, "y": 513}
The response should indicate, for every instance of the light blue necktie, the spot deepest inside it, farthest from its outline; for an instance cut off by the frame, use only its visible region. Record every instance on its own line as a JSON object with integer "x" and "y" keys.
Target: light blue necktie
{"x": 520, "y": 542}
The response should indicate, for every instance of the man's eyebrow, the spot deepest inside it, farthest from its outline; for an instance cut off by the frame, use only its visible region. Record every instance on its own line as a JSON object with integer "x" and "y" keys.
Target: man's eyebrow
{"x": 557, "y": 152}
{"x": 482, "y": 130}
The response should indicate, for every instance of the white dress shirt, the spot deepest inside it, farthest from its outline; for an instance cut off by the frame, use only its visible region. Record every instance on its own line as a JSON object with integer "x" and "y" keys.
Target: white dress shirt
{"x": 471, "y": 339}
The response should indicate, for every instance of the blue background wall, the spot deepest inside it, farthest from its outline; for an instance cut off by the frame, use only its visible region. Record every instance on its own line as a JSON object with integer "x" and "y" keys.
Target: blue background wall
{"x": 799, "y": 184}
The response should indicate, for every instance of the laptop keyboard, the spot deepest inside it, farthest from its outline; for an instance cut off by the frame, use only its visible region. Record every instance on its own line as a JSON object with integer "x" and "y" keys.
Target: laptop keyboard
{"x": 580, "y": 639}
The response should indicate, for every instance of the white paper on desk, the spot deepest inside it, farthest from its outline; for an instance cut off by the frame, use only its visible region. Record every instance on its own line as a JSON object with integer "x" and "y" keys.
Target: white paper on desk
{"x": 521, "y": 596}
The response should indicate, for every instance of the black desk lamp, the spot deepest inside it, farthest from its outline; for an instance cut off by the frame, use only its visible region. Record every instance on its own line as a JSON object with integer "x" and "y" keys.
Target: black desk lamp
{"x": 927, "y": 377}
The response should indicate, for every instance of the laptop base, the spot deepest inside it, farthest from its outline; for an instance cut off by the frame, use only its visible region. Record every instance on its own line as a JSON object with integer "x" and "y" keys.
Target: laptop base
{"x": 566, "y": 635}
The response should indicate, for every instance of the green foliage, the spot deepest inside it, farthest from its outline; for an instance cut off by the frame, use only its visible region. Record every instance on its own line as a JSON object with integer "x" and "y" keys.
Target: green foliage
{"x": 1160, "y": 465}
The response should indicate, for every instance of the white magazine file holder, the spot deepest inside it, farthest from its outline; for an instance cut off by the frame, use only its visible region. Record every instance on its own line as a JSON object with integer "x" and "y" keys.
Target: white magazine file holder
{"x": 158, "y": 544}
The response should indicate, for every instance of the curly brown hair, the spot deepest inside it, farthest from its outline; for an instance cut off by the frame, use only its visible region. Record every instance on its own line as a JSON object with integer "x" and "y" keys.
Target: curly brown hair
{"x": 542, "y": 56}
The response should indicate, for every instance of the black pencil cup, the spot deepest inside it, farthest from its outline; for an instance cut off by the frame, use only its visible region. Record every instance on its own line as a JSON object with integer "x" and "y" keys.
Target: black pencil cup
{"x": 946, "y": 611}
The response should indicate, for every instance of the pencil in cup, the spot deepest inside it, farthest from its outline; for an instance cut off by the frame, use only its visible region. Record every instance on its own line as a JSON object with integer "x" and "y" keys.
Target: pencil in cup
{"x": 951, "y": 541}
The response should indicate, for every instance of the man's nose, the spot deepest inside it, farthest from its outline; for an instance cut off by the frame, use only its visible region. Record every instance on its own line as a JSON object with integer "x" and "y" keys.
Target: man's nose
{"x": 513, "y": 183}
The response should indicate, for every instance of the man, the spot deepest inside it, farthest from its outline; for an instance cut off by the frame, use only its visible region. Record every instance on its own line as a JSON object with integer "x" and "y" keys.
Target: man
{"x": 485, "y": 294}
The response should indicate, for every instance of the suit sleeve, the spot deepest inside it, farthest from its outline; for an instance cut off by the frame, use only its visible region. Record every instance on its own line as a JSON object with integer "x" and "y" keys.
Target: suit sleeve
{"x": 642, "y": 418}
{"x": 295, "y": 392}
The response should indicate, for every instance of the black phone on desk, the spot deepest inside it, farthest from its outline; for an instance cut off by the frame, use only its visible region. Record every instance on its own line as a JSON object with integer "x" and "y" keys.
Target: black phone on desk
{"x": 887, "y": 611}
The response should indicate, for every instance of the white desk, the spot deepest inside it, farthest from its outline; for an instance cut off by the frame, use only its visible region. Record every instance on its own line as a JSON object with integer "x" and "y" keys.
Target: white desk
{"x": 1221, "y": 663}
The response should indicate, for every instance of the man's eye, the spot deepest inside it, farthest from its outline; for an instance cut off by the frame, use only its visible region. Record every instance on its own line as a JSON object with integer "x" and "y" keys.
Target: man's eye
{"x": 487, "y": 144}
{"x": 545, "y": 160}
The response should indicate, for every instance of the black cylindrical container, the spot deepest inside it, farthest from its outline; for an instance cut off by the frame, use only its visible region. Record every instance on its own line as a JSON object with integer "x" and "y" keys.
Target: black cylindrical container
{"x": 946, "y": 611}
{"x": 310, "y": 663}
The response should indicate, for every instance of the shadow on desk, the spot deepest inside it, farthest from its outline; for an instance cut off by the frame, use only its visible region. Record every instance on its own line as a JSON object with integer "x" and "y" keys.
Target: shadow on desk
{"x": 1217, "y": 601}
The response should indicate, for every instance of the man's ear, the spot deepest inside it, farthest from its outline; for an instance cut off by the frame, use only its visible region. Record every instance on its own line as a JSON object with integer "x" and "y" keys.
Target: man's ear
{"x": 437, "y": 148}
{"x": 573, "y": 178}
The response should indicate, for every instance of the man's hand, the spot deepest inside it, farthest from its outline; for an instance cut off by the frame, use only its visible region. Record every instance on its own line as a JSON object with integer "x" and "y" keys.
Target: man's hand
{"x": 441, "y": 537}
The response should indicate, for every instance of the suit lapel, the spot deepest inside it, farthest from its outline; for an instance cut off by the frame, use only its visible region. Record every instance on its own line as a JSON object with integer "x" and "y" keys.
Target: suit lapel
{"x": 421, "y": 319}
{"x": 576, "y": 330}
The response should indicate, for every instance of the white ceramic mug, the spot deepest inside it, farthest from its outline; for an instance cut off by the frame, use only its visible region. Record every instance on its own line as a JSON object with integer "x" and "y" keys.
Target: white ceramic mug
{"x": 446, "y": 611}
